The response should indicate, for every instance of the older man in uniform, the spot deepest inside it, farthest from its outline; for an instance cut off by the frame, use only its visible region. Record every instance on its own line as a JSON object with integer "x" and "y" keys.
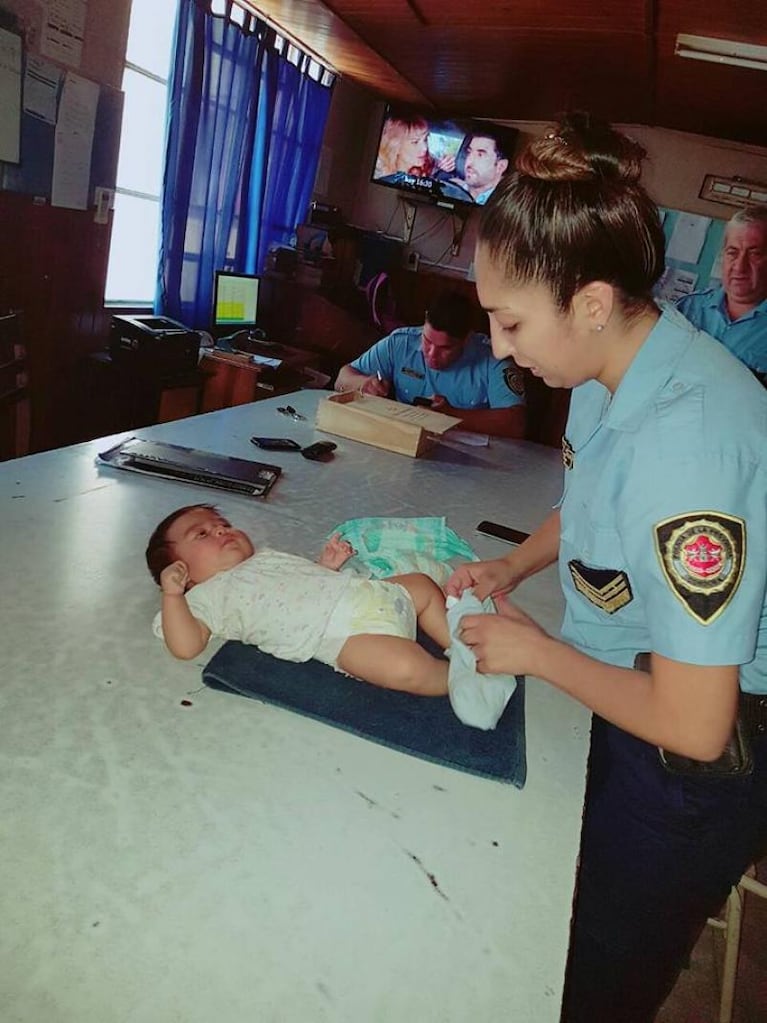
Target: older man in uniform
{"x": 736, "y": 312}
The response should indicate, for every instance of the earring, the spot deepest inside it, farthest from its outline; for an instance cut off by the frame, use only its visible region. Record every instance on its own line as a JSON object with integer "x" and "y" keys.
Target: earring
{"x": 600, "y": 326}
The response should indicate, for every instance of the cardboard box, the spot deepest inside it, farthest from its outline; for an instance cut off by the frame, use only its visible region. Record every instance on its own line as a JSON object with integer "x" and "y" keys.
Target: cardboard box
{"x": 406, "y": 429}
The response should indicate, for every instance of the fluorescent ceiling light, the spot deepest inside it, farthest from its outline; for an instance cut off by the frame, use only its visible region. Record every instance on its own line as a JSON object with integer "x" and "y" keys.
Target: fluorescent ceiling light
{"x": 722, "y": 51}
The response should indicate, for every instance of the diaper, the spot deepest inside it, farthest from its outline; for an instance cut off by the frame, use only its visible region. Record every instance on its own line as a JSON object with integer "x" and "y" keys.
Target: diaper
{"x": 369, "y": 606}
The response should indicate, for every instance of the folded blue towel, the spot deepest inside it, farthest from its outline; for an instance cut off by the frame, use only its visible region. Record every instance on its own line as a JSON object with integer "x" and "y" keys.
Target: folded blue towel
{"x": 422, "y": 726}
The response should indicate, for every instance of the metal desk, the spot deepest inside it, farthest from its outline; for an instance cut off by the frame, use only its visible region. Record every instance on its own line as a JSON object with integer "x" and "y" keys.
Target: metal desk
{"x": 232, "y": 861}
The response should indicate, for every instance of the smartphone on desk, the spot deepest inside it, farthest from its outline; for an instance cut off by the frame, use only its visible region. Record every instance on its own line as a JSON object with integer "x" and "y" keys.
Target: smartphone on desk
{"x": 500, "y": 532}
{"x": 275, "y": 443}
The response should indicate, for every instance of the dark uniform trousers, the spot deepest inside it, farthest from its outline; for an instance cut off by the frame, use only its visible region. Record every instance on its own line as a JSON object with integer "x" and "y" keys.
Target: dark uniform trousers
{"x": 659, "y": 854}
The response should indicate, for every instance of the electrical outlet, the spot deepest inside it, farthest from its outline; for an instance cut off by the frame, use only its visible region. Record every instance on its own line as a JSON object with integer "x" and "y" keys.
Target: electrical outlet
{"x": 408, "y": 212}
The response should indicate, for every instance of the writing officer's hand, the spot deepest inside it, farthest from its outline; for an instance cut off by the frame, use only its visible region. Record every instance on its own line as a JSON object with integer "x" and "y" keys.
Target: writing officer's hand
{"x": 174, "y": 579}
{"x": 485, "y": 578}
{"x": 508, "y": 643}
{"x": 439, "y": 403}
{"x": 374, "y": 386}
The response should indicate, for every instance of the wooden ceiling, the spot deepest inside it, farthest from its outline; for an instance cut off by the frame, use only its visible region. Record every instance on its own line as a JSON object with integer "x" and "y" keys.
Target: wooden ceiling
{"x": 529, "y": 59}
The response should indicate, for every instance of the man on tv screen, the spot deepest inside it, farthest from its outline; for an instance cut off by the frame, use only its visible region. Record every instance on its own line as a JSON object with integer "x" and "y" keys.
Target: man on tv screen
{"x": 481, "y": 162}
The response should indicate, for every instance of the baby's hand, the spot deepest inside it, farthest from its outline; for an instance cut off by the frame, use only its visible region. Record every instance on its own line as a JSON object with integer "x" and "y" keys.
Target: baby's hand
{"x": 173, "y": 579}
{"x": 336, "y": 552}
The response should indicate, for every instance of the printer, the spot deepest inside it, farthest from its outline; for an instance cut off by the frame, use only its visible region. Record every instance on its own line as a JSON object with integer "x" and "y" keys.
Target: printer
{"x": 153, "y": 345}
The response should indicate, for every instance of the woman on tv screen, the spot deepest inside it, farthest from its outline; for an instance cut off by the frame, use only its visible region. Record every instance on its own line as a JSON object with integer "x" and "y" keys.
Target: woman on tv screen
{"x": 404, "y": 147}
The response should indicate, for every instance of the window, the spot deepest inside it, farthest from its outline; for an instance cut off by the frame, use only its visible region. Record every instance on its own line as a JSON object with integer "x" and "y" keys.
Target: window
{"x": 134, "y": 251}
{"x": 132, "y": 272}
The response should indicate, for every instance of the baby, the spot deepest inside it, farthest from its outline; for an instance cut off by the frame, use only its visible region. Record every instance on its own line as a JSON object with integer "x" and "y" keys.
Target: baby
{"x": 214, "y": 583}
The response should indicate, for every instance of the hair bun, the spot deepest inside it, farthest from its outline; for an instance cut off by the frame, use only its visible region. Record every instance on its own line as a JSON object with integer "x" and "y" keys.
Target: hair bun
{"x": 581, "y": 148}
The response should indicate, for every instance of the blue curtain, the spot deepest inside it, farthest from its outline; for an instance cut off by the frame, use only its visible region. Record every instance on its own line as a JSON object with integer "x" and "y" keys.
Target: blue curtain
{"x": 292, "y": 120}
{"x": 243, "y": 142}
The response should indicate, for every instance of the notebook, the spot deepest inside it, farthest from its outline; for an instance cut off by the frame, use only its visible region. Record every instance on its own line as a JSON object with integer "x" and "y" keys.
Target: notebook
{"x": 190, "y": 465}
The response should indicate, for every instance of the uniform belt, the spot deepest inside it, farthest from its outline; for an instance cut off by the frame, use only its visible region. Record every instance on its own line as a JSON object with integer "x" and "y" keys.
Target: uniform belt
{"x": 752, "y": 712}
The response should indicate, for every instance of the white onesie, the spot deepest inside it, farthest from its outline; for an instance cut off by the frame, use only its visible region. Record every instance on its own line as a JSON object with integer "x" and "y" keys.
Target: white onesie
{"x": 282, "y": 603}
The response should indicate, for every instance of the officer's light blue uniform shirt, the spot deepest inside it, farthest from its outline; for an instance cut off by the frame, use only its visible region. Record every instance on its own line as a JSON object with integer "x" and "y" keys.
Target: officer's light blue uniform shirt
{"x": 745, "y": 337}
{"x": 664, "y": 514}
{"x": 476, "y": 380}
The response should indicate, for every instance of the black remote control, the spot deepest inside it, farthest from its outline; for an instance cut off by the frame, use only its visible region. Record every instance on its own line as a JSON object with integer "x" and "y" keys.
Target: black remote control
{"x": 320, "y": 451}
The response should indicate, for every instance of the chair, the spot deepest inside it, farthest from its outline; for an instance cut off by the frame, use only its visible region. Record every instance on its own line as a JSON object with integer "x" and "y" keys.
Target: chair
{"x": 15, "y": 418}
{"x": 382, "y": 305}
{"x": 731, "y": 923}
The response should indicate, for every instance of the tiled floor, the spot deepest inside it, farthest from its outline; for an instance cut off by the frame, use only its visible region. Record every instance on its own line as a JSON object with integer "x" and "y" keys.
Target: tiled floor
{"x": 695, "y": 999}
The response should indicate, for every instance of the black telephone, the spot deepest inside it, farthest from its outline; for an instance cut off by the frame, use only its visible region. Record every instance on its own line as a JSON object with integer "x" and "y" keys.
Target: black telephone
{"x": 242, "y": 338}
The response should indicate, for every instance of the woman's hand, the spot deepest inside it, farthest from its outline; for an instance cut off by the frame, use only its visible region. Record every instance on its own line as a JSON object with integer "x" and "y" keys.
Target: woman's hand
{"x": 485, "y": 578}
{"x": 336, "y": 552}
{"x": 504, "y": 644}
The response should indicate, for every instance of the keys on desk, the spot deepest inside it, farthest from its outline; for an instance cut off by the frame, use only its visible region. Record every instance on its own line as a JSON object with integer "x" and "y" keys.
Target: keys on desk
{"x": 288, "y": 410}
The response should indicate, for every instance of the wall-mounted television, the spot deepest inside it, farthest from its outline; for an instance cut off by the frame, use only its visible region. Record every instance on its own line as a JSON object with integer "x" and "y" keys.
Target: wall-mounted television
{"x": 235, "y": 302}
{"x": 450, "y": 161}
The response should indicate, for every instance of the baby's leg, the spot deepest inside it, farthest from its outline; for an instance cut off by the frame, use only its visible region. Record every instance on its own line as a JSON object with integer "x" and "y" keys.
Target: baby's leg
{"x": 429, "y": 601}
{"x": 394, "y": 663}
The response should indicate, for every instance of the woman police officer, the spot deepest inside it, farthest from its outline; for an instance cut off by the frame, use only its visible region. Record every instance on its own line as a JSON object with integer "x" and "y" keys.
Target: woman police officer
{"x": 661, "y": 541}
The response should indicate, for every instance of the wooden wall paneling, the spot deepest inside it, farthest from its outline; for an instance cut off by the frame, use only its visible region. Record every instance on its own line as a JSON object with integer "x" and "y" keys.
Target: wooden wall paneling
{"x": 528, "y": 61}
{"x": 53, "y": 267}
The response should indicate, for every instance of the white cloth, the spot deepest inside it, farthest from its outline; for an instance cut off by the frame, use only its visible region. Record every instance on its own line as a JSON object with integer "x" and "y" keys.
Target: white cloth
{"x": 477, "y": 699}
{"x": 276, "y": 601}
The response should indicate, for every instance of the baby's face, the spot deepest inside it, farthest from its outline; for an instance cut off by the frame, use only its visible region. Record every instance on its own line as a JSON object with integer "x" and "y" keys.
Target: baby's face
{"x": 207, "y": 544}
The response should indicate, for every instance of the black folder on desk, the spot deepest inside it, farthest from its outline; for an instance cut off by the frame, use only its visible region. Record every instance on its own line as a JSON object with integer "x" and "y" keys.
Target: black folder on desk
{"x": 190, "y": 465}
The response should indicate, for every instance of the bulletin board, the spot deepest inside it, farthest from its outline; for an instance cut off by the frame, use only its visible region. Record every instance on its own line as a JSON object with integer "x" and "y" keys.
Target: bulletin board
{"x": 693, "y": 247}
{"x": 10, "y": 92}
{"x": 49, "y": 134}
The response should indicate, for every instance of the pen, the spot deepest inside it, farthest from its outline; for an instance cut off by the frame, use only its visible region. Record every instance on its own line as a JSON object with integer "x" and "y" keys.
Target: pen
{"x": 378, "y": 374}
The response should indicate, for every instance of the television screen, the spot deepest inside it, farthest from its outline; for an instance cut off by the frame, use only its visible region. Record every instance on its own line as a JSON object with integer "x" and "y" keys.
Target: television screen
{"x": 235, "y": 301}
{"x": 450, "y": 161}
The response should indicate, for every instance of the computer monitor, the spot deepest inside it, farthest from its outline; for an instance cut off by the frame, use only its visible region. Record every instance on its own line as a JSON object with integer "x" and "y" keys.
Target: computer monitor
{"x": 235, "y": 302}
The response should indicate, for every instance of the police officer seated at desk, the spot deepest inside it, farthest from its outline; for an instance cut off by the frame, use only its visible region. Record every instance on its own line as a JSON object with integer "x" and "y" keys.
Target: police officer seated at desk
{"x": 446, "y": 365}
{"x": 736, "y": 312}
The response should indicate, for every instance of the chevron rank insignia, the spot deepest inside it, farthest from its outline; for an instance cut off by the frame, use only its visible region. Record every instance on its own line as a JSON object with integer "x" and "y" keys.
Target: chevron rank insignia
{"x": 568, "y": 454}
{"x": 606, "y": 588}
{"x": 702, "y": 555}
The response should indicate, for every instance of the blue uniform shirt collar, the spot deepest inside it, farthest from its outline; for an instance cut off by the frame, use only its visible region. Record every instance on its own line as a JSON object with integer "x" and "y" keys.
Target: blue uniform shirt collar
{"x": 719, "y": 302}
{"x": 650, "y": 371}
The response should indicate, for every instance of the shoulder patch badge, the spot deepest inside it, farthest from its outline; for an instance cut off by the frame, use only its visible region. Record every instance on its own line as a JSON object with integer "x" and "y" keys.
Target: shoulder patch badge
{"x": 606, "y": 588}
{"x": 702, "y": 555}
{"x": 568, "y": 454}
{"x": 514, "y": 379}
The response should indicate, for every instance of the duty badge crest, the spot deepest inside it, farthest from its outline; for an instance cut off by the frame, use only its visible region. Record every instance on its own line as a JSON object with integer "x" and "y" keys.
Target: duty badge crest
{"x": 702, "y": 555}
